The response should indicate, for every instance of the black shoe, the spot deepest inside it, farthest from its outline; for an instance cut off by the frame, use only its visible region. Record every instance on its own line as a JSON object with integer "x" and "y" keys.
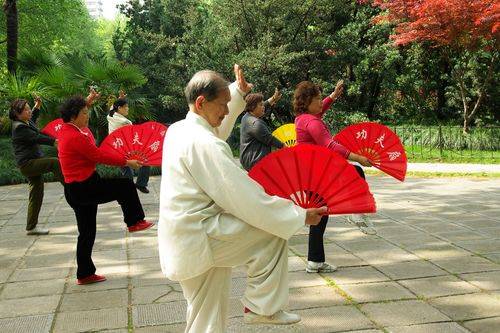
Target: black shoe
{"x": 143, "y": 189}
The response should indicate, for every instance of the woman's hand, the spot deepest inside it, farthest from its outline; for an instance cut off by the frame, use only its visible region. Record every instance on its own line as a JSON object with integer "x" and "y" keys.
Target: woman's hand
{"x": 360, "y": 159}
{"x": 339, "y": 89}
{"x": 38, "y": 102}
{"x": 244, "y": 86}
{"x": 314, "y": 215}
{"x": 122, "y": 94}
{"x": 275, "y": 97}
{"x": 134, "y": 164}
{"x": 92, "y": 97}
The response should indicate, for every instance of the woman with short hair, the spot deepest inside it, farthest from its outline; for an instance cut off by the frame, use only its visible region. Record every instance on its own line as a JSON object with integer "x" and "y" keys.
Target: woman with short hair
{"x": 26, "y": 141}
{"x": 309, "y": 109}
{"x": 84, "y": 189}
{"x": 256, "y": 140}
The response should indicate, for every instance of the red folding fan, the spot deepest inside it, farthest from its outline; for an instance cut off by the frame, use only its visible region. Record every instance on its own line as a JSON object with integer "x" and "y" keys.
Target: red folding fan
{"x": 142, "y": 142}
{"x": 377, "y": 143}
{"x": 54, "y": 127}
{"x": 314, "y": 176}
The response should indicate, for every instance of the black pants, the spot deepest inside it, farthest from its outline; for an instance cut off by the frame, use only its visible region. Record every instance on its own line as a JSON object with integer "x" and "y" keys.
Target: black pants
{"x": 316, "y": 250}
{"x": 84, "y": 197}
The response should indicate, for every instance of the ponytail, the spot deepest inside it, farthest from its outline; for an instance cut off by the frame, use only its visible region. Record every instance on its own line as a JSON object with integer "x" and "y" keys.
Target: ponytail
{"x": 118, "y": 103}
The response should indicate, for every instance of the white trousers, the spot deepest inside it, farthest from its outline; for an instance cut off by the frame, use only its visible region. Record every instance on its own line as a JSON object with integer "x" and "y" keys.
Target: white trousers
{"x": 266, "y": 258}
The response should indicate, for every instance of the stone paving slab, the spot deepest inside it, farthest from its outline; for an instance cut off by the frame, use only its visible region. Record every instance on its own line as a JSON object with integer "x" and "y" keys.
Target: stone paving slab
{"x": 465, "y": 307}
{"x": 433, "y": 267}
{"x": 467, "y": 264}
{"x": 486, "y": 281}
{"x": 483, "y": 325}
{"x": 428, "y": 328}
{"x": 410, "y": 269}
{"x": 314, "y": 297}
{"x": 354, "y": 275}
{"x": 33, "y": 288}
{"x": 28, "y": 324}
{"x": 439, "y": 286}
{"x": 376, "y": 292}
{"x": 93, "y": 320}
{"x": 94, "y": 300}
{"x": 400, "y": 313}
{"x": 28, "y": 306}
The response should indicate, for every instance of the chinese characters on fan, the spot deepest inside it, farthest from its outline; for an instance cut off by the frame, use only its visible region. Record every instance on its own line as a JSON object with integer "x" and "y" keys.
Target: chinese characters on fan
{"x": 363, "y": 134}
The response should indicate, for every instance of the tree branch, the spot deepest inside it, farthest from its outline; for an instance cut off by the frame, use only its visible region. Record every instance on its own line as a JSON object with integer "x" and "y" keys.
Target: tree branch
{"x": 483, "y": 88}
{"x": 302, "y": 21}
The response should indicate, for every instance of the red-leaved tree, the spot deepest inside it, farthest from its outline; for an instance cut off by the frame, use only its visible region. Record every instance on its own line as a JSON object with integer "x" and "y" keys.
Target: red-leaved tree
{"x": 459, "y": 26}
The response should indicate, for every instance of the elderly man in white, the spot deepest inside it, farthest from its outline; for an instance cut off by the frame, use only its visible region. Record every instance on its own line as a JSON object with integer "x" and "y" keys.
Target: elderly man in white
{"x": 214, "y": 217}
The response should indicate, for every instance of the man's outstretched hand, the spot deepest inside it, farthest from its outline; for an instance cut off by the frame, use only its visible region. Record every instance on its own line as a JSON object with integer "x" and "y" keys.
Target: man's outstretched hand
{"x": 244, "y": 86}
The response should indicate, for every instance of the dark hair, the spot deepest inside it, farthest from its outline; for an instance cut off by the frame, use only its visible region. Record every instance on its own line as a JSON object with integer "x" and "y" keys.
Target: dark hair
{"x": 303, "y": 95}
{"x": 16, "y": 108}
{"x": 118, "y": 103}
{"x": 72, "y": 107}
{"x": 205, "y": 83}
{"x": 252, "y": 101}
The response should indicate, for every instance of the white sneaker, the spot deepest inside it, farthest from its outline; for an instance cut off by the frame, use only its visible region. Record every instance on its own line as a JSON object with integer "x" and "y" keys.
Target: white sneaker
{"x": 320, "y": 267}
{"x": 363, "y": 223}
{"x": 37, "y": 231}
{"x": 279, "y": 318}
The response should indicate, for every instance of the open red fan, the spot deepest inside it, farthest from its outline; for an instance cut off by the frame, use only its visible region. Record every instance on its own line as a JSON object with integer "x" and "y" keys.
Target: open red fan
{"x": 54, "y": 127}
{"x": 142, "y": 142}
{"x": 377, "y": 143}
{"x": 314, "y": 176}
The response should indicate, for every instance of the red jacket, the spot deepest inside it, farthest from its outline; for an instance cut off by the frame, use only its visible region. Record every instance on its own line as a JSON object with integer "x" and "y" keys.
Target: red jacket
{"x": 311, "y": 129}
{"x": 78, "y": 154}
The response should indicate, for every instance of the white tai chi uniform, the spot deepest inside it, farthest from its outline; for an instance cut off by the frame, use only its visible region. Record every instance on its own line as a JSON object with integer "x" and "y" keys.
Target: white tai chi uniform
{"x": 214, "y": 217}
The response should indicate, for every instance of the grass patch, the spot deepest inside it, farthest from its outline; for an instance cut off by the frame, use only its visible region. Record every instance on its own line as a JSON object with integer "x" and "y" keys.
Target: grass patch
{"x": 432, "y": 155}
{"x": 425, "y": 174}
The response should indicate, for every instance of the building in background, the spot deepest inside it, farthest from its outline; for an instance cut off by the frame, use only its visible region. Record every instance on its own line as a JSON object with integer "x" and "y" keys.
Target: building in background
{"x": 95, "y": 7}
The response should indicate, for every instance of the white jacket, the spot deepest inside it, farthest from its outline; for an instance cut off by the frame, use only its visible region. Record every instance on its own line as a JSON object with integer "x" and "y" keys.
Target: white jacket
{"x": 201, "y": 186}
{"x": 117, "y": 121}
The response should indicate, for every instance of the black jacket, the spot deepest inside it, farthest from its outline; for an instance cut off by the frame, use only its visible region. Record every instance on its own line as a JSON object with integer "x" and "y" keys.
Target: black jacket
{"x": 256, "y": 140}
{"x": 26, "y": 139}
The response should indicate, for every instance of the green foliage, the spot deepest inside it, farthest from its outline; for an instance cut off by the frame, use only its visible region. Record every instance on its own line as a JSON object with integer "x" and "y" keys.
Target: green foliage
{"x": 282, "y": 43}
{"x": 69, "y": 75}
{"x": 54, "y": 27}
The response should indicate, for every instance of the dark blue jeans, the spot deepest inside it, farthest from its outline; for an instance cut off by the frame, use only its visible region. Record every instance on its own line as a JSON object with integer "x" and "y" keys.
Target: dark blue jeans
{"x": 142, "y": 175}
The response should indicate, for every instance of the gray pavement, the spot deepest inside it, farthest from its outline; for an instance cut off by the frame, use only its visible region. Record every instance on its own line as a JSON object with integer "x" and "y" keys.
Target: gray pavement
{"x": 433, "y": 267}
{"x": 454, "y": 168}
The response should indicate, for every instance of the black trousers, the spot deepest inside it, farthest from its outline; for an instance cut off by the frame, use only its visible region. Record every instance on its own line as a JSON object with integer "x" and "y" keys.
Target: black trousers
{"x": 84, "y": 197}
{"x": 316, "y": 250}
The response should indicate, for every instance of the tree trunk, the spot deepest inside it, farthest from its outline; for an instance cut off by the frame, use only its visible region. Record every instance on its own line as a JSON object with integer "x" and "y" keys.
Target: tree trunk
{"x": 470, "y": 114}
{"x": 10, "y": 9}
{"x": 373, "y": 96}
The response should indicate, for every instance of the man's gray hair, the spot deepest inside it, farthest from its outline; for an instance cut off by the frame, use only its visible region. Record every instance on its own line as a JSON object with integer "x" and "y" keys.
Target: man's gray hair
{"x": 205, "y": 83}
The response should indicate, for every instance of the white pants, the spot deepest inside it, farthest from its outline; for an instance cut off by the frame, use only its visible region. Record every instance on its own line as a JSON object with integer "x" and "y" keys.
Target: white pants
{"x": 266, "y": 258}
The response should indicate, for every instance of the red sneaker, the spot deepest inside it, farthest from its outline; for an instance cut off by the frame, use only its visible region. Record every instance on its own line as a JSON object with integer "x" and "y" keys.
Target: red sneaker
{"x": 141, "y": 225}
{"x": 94, "y": 278}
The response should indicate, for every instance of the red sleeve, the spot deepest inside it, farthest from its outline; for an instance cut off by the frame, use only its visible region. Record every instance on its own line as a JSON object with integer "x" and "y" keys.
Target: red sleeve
{"x": 91, "y": 152}
{"x": 322, "y": 137}
{"x": 327, "y": 102}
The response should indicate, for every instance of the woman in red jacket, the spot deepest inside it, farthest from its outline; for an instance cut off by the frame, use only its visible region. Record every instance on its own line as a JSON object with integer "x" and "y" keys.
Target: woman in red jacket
{"x": 84, "y": 189}
{"x": 309, "y": 109}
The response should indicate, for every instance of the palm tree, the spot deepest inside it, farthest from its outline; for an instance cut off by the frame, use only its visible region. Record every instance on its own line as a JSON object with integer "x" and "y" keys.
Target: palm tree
{"x": 10, "y": 9}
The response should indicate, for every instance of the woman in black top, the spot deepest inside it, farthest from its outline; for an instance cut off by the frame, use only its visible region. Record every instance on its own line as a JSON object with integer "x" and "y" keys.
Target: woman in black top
{"x": 26, "y": 141}
{"x": 256, "y": 140}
